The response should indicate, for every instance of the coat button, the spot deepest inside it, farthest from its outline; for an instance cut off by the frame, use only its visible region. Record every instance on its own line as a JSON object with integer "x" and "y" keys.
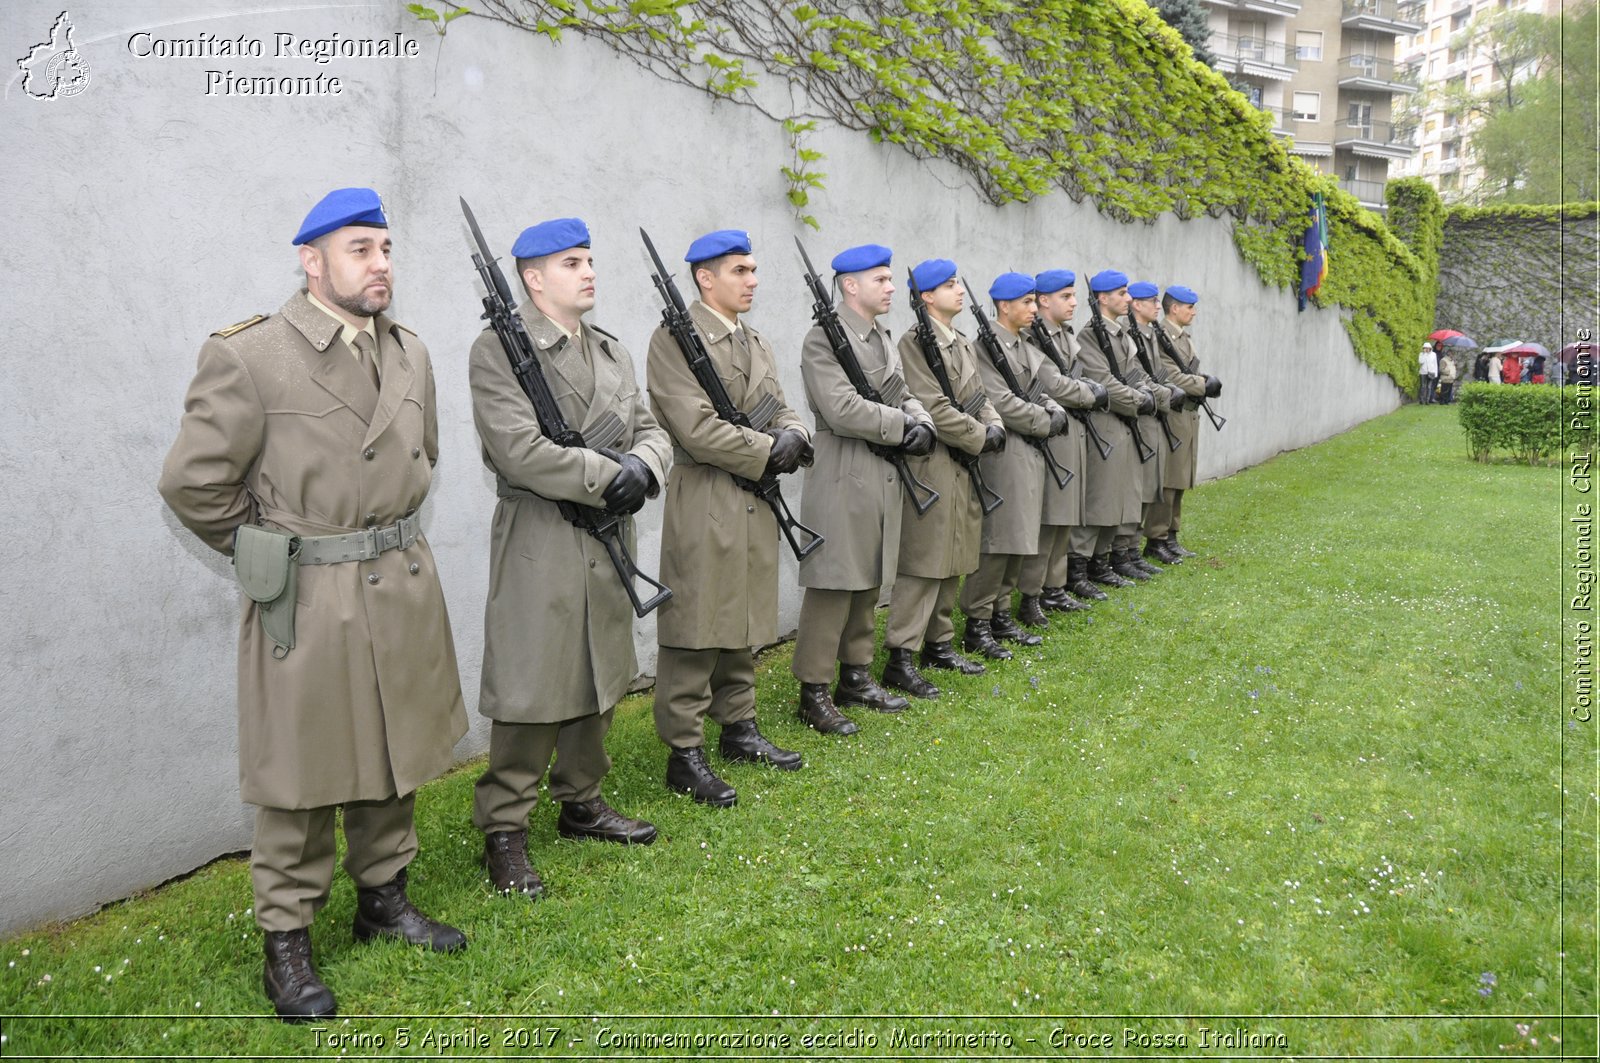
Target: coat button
{"x": 415, "y": 568}
{"x": 591, "y": 562}
{"x": 369, "y": 453}
{"x": 373, "y": 578}
{"x": 416, "y": 452}
{"x": 749, "y": 509}
{"x": 372, "y": 518}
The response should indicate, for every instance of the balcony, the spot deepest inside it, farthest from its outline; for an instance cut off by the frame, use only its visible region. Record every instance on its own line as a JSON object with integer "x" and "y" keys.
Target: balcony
{"x": 1370, "y": 193}
{"x": 1450, "y": 165}
{"x": 1254, "y": 57}
{"x": 1282, "y": 119}
{"x": 1393, "y": 17}
{"x": 1260, "y": 7}
{"x": 1368, "y": 73}
{"x": 1376, "y": 139}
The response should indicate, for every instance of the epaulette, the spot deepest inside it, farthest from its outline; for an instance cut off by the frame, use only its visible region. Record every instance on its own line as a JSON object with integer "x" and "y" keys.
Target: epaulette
{"x": 603, "y": 332}
{"x": 403, "y": 328}
{"x": 239, "y": 326}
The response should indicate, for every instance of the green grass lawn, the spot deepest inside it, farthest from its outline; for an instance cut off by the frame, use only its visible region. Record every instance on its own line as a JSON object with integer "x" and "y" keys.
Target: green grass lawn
{"x": 1309, "y": 784}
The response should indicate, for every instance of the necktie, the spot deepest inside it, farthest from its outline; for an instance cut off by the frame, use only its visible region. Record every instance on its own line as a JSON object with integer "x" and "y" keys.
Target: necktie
{"x": 367, "y": 356}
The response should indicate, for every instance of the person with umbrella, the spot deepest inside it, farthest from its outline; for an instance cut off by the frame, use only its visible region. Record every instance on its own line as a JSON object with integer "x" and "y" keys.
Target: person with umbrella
{"x": 1447, "y": 380}
{"x": 1427, "y": 373}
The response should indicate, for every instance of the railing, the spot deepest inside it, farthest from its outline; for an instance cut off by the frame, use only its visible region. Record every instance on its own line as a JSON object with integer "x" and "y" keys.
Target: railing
{"x": 1281, "y": 116}
{"x": 1254, "y": 50}
{"x": 1409, "y": 12}
{"x": 1373, "y": 68}
{"x": 1370, "y": 192}
{"x": 1377, "y": 131}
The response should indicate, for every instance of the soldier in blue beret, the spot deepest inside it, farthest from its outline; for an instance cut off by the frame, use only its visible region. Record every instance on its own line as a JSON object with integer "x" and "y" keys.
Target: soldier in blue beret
{"x": 1018, "y": 473}
{"x": 1182, "y": 367}
{"x": 719, "y": 544}
{"x": 1148, "y": 374}
{"x": 319, "y": 423}
{"x": 558, "y": 627}
{"x": 852, "y": 496}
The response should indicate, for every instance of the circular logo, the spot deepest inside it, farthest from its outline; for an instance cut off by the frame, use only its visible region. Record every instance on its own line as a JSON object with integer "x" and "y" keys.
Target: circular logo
{"x": 67, "y": 73}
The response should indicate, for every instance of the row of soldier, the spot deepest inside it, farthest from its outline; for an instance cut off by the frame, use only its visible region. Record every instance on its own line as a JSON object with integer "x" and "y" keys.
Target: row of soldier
{"x": 307, "y": 445}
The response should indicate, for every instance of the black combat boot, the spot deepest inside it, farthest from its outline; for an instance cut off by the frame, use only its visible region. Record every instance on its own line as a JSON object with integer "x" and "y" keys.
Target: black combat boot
{"x": 505, "y": 855}
{"x": 1122, "y": 564}
{"x": 979, "y": 639}
{"x": 688, "y": 773}
{"x": 821, "y": 714}
{"x": 941, "y": 655}
{"x": 1133, "y": 558}
{"x": 1078, "y": 580}
{"x": 1177, "y": 547}
{"x": 386, "y": 911}
{"x": 1003, "y": 627}
{"x": 857, "y": 687}
{"x": 1102, "y": 572}
{"x": 901, "y": 674}
{"x": 1057, "y": 600}
{"x": 1158, "y": 549}
{"x": 1030, "y": 611}
{"x": 743, "y": 740}
{"x": 291, "y": 980}
{"x": 598, "y": 820}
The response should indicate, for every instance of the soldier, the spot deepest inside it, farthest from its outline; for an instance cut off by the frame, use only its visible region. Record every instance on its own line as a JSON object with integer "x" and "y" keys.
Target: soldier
{"x": 719, "y": 543}
{"x": 940, "y": 546}
{"x": 1114, "y": 500}
{"x": 1018, "y": 473}
{"x": 558, "y": 626}
{"x": 1162, "y": 519}
{"x": 852, "y": 496}
{"x": 1147, "y": 373}
{"x": 307, "y": 445}
{"x": 1044, "y": 575}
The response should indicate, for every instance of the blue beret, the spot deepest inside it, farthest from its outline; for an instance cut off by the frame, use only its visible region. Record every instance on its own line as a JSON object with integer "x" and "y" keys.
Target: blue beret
{"x": 341, "y": 207}
{"x": 932, "y": 273}
{"x": 548, "y": 237}
{"x": 1143, "y": 290}
{"x": 1108, "y": 280}
{"x": 719, "y": 243}
{"x": 1053, "y": 280}
{"x": 856, "y": 259}
{"x": 1011, "y": 286}
{"x": 1181, "y": 294}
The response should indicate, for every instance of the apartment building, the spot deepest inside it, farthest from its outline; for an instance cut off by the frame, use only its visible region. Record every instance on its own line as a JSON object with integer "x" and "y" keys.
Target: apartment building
{"x": 1443, "y": 159}
{"x": 1325, "y": 70}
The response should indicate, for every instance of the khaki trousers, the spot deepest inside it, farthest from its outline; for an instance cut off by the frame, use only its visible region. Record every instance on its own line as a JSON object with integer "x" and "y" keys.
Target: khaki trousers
{"x": 1164, "y": 516}
{"x": 1036, "y": 569}
{"x": 694, "y": 684}
{"x": 291, "y": 861}
{"x": 1127, "y": 537}
{"x": 519, "y": 754}
{"x": 920, "y": 610}
{"x": 989, "y": 588}
{"x": 1091, "y": 540}
{"x": 834, "y": 626}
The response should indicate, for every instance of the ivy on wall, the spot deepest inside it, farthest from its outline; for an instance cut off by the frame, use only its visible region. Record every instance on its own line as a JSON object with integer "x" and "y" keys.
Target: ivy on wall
{"x": 1099, "y": 99}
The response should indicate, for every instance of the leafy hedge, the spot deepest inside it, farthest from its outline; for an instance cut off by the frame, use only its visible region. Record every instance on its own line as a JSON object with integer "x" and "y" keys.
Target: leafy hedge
{"x": 1524, "y": 419}
{"x": 1555, "y": 212}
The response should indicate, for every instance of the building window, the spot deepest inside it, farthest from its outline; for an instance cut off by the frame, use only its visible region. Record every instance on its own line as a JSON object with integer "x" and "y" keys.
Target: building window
{"x": 1308, "y": 106}
{"x": 1307, "y": 45}
{"x": 1449, "y": 119}
{"x": 1450, "y": 149}
{"x": 1449, "y": 182}
{"x": 1458, "y": 21}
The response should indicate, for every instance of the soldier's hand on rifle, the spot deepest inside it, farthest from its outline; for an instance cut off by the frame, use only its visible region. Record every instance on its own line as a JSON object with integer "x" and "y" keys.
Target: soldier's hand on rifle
{"x": 627, "y": 490}
{"x": 1101, "y": 399}
{"x": 919, "y": 439}
{"x": 788, "y": 449}
{"x": 1058, "y": 420}
{"x": 1178, "y": 396}
{"x": 1213, "y": 386}
{"x": 1147, "y": 402}
{"x": 994, "y": 438}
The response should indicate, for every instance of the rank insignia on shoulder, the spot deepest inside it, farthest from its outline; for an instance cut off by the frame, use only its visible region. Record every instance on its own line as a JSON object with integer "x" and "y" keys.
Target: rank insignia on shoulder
{"x": 239, "y": 326}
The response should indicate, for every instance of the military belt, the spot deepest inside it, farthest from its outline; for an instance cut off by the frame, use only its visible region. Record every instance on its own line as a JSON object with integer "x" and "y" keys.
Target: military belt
{"x": 364, "y": 545}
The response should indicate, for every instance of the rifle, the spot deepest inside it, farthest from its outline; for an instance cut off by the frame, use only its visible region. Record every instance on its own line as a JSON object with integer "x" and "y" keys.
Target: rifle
{"x": 1173, "y": 442}
{"x": 989, "y": 499}
{"x": 500, "y": 310}
{"x": 1101, "y": 333}
{"x": 675, "y": 317}
{"x": 991, "y": 346}
{"x": 1047, "y": 344}
{"x": 1192, "y": 369}
{"x": 823, "y": 313}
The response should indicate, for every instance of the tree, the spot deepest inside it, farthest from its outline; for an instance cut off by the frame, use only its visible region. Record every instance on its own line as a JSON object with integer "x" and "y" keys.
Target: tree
{"x": 1188, "y": 17}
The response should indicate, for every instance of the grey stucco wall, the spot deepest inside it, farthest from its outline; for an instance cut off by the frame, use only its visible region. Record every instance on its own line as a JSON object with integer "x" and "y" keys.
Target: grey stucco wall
{"x": 142, "y": 214}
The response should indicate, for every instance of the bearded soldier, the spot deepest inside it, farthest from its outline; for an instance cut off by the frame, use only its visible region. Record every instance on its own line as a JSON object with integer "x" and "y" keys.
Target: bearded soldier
{"x": 307, "y": 446}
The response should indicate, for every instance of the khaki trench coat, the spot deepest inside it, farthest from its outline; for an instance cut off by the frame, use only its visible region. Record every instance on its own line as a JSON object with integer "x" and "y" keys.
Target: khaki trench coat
{"x": 719, "y": 542}
{"x": 1063, "y": 506}
{"x": 1115, "y": 491}
{"x": 1155, "y": 470}
{"x": 1018, "y": 472}
{"x": 852, "y": 496}
{"x": 282, "y": 427}
{"x": 558, "y": 626}
{"x": 1180, "y": 470}
{"x": 943, "y": 542}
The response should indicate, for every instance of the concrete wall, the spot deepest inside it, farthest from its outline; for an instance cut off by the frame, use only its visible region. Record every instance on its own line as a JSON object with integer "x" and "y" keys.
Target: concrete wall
{"x": 143, "y": 213}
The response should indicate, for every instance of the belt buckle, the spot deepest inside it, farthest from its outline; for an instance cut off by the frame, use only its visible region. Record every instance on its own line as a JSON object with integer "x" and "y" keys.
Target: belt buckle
{"x": 388, "y": 538}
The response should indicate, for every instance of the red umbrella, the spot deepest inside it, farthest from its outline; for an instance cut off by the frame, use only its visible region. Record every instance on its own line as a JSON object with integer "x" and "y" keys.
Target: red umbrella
{"x": 1443, "y": 334}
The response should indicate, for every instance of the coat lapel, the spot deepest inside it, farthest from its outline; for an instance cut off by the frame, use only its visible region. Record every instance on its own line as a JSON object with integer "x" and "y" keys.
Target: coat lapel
{"x": 335, "y": 369}
{"x": 602, "y": 355}
{"x": 395, "y": 375}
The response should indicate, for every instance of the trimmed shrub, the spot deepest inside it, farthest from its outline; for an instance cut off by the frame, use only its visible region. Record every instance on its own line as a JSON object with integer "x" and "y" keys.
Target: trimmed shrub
{"x": 1524, "y": 419}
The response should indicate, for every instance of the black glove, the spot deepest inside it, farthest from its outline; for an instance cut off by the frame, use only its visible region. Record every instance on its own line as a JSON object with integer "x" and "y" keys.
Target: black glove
{"x": 627, "y": 490}
{"x": 1147, "y": 402}
{"x": 1101, "y": 399}
{"x": 1213, "y": 386}
{"x": 788, "y": 447}
{"x": 994, "y": 438}
{"x": 1178, "y": 395}
{"x": 1058, "y": 421}
{"x": 919, "y": 440}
